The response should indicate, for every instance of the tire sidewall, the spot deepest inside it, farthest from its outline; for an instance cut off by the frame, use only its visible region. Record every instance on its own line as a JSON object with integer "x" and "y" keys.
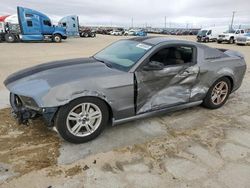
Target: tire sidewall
{"x": 231, "y": 41}
{"x": 54, "y": 37}
{"x": 63, "y": 112}
{"x": 7, "y": 38}
{"x": 208, "y": 99}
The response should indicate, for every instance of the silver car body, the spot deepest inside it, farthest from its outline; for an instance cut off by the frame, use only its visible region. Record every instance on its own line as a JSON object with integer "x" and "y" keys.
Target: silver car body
{"x": 129, "y": 94}
{"x": 244, "y": 40}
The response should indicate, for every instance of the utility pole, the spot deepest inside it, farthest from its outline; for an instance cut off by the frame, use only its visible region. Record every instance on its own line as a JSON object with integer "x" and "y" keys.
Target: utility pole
{"x": 165, "y": 22}
{"x": 232, "y": 22}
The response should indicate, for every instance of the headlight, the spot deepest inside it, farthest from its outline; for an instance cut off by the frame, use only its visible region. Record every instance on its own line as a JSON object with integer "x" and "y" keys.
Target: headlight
{"x": 28, "y": 101}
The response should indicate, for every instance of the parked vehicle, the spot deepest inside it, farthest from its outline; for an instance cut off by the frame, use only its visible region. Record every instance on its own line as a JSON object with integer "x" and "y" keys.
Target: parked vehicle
{"x": 70, "y": 24}
{"x": 87, "y": 32}
{"x": 127, "y": 80}
{"x": 194, "y": 32}
{"x": 104, "y": 31}
{"x": 243, "y": 40}
{"x": 210, "y": 34}
{"x": 230, "y": 36}
{"x": 165, "y": 32}
{"x": 130, "y": 32}
{"x": 140, "y": 33}
{"x": 31, "y": 25}
{"x": 116, "y": 32}
{"x": 2, "y": 27}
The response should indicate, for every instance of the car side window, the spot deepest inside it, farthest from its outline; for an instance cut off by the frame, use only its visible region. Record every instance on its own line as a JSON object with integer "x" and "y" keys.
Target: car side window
{"x": 238, "y": 32}
{"x": 209, "y": 32}
{"x": 47, "y": 22}
{"x": 29, "y": 23}
{"x": 242, "y": 31}
{"x": 174, "y": 55}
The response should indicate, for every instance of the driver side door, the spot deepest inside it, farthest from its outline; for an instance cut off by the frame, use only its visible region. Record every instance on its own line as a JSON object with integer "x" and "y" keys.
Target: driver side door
{"x": 169, "y": 85}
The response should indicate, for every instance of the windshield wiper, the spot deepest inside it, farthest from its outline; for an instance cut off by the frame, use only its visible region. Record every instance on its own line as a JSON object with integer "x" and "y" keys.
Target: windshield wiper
{"x": 102, "y": 61}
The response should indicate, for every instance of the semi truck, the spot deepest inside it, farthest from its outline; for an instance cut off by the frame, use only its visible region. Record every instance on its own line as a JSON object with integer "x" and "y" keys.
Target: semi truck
{"x": 70, "y": 24}
{"x": 31, "y": 25}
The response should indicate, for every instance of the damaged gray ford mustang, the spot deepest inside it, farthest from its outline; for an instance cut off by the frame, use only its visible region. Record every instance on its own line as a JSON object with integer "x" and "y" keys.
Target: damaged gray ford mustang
{"x": 130, "y": 79}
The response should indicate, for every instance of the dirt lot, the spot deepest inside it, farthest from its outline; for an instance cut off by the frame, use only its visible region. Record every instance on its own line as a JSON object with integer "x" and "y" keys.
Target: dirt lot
{"x": 191, "y": 148}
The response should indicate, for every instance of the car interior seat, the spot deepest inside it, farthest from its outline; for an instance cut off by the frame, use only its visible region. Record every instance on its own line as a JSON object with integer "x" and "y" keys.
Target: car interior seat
{"x": 174, "y": 57}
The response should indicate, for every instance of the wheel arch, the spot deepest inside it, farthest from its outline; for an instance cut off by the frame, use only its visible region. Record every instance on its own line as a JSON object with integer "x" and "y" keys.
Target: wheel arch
{"x": 57, "y": 33}
{"x": 110, "y": 109}
{"x": 228, "y": 76}
{"x": 231, "y": 81}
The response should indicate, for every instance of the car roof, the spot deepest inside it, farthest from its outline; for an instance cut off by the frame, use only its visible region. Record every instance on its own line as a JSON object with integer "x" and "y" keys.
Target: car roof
{"x": 155, "y": 40}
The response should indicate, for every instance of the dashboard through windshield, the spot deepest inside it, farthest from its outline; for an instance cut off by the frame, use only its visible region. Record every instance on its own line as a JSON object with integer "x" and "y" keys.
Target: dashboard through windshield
{"x": 123, "y": 54}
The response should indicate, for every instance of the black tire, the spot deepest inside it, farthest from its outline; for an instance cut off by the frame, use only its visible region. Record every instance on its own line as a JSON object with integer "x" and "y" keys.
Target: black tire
{"x": 208, "y": 102}
{"x": 61, "y": 120}
{"x": 231, "y": 40}
{"x": 219, "y": 42}
{"x": 10, "y": 38}
{"x": 207, "y": 40}
{"x": 57, "y": 38}
{"x": 92, "y": 35}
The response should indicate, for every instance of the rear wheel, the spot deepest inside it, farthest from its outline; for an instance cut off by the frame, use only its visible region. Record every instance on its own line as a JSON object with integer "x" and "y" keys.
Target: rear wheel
{"x": 57, "y": 38}
{"x": 92, "y": 35}
{"x": 219, "y": 42}
{"x": 85, "y": 35}
{"x": 10, "y": 38}
{"x": 82, "y": 120}
{"x": 218, "y": 94}
{"x": 207, "y": 40}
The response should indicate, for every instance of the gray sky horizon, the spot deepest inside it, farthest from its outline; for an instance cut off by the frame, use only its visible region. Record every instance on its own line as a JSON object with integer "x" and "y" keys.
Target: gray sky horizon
{"x": 179, "y": 13}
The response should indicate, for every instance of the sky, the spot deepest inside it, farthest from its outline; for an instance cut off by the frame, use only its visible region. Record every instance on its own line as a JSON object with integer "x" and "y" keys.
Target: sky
{"x": 178, "y": 13}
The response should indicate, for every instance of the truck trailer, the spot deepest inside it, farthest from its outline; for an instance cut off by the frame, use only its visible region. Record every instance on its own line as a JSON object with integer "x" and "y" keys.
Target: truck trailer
{"x": 31, "y": 26}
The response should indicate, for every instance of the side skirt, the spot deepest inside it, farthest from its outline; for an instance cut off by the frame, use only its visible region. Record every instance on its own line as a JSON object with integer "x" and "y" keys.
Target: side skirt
{"x": 156, "y": 112}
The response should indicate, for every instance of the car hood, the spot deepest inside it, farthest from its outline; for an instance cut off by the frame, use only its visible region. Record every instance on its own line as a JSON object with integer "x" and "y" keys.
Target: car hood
{"x": 59, "y": 72}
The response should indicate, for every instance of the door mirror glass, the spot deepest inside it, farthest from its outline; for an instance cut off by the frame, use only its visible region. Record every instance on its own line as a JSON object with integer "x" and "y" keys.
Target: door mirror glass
{"x": 153, "y": 66}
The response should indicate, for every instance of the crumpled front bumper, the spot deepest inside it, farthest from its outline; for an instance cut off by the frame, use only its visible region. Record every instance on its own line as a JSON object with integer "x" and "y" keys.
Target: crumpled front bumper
{"x": 19, "y": 111}
{"x": 24, "y": 113}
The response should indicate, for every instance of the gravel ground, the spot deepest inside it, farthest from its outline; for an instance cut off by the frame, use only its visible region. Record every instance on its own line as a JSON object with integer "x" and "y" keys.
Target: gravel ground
{"x": 190, "y": 148}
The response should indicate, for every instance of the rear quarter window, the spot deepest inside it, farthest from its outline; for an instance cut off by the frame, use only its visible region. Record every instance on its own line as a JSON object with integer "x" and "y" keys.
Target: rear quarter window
{"x": 212, "y": 53}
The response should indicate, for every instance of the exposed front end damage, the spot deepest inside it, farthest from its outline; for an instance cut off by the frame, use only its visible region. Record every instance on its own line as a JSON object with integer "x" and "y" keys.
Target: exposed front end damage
{"x": 23, "y": 112}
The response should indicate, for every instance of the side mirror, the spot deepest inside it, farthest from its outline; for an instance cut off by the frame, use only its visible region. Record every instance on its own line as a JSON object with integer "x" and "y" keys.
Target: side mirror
{"x": 153, "y": 66}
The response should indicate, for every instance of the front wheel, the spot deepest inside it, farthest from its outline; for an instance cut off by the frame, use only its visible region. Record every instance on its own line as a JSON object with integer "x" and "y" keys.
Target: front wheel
{"x": 57, "y": 38}
{"x": 231, "y": 41}
{"x": 218, "y": 94}
{"x": 82, "y": 120}
{"x": 92, "y": 35}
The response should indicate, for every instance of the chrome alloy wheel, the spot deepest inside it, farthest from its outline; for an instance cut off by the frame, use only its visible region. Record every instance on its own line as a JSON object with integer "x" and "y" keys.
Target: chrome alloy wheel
{"x": 219, "y": 93}
{"x": 84, "y": 119}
